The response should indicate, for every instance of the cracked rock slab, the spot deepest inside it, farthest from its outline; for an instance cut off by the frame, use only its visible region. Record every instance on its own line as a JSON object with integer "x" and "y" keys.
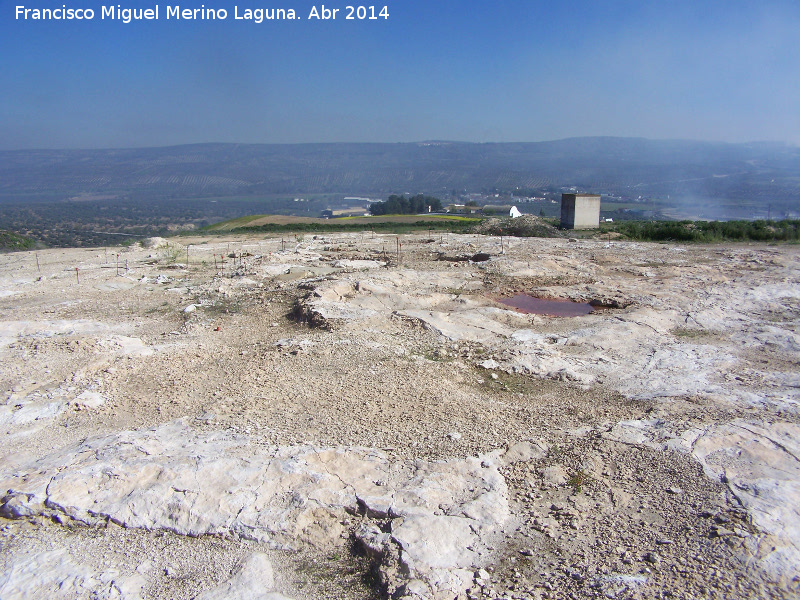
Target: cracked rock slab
{"x": 173, "y": 478}
{"x": 55, "y": 574}
{"x": 761, "y": 466}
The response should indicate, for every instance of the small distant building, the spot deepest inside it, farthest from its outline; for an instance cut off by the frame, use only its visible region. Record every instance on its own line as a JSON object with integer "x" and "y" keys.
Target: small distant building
{"x": 353, "y": 211}
{"x": 461, "y": 208}
{"x": 580, "y": 211}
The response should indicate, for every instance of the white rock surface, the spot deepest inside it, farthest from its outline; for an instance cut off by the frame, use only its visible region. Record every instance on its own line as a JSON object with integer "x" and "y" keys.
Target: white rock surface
{"x": 253, "y": 580}
{"x": 359, "y": 265}
{"x": 708, "y": 353}
{"x": 470, "y": 325}
{"x": 154, "y": 242}
{"x": 89, "y": 399}
{"x": 175, "y": 479}
{"x": 674, "y": 342}
{"x": 761, "y": 465}
{"x": 59, "y": 575}
{"x": 10, "y": 331}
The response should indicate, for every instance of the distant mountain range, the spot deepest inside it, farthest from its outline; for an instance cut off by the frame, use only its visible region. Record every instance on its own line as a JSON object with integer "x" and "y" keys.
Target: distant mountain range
{"x": 713, "y": 180}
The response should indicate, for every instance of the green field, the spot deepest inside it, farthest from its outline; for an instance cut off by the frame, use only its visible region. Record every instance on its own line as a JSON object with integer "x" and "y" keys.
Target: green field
{"x": 390, "y": 223}
{"x": 10, "y": 241}
{"x": 654, "y": 231}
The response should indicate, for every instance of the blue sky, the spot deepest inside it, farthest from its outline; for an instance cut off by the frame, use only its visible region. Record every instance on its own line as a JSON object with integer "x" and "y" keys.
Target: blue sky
{"x": 487, "y": 71}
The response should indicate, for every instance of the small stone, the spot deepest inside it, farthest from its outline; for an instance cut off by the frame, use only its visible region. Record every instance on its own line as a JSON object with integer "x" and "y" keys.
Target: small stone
{"x": 674, "y": 490}
{"x": 722, "y": 519}
{"x": 554, "y": 475}
{"x": 145, "y": 567}
{"x": 490, "y": 364}
{"x": 525, "y": 451}
{"x": 418, "y": 588}
{"x": 454, "y": 435}
{"x": 88, "y": 400}
{"x": 720, "y": 532}
{"x": 652, "y": 558}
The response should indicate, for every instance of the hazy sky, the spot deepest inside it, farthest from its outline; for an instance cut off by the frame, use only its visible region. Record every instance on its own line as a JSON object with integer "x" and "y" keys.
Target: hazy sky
{"x": 487, "y": 70}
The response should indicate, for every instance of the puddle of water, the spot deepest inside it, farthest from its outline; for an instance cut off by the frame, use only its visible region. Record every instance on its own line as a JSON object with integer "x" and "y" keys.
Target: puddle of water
{"x": 553, "y": 308}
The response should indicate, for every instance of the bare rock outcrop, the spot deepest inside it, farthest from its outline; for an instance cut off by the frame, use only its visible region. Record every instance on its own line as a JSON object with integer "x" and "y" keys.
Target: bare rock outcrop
{"x": 439, "y": 515}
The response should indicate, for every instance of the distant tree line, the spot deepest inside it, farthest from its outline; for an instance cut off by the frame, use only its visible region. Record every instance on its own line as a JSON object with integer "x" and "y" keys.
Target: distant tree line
{"x": 101, "y": 222}
{"x": 400, "y": 205}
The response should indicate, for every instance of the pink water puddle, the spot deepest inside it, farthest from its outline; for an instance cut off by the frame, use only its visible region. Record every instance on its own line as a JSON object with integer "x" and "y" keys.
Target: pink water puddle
{"x": 552, "y": 308}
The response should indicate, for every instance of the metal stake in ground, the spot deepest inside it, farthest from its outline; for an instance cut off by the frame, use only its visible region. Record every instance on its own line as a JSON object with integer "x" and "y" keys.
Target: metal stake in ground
{"x": 38, "y": 268}
{"x": 77, "y": 277}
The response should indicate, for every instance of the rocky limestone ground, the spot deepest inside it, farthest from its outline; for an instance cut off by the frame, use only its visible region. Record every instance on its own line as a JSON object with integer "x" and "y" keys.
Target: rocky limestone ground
{"x": 324, "y": 417}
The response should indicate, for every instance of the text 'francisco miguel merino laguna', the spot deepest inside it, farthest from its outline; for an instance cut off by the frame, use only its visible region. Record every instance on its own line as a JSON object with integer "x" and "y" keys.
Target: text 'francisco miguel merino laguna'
{"x": 258, "y": 15}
